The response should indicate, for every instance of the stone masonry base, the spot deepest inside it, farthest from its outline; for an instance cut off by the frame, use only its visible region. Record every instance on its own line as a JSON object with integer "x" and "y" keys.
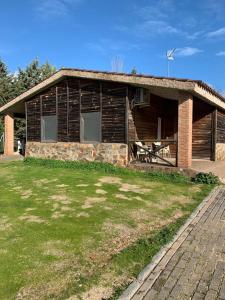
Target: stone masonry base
{"x": 102, "y": 152}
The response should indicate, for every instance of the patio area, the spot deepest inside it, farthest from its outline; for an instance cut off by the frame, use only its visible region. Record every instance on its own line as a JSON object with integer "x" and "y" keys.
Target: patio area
{"x": 204, "y": 165}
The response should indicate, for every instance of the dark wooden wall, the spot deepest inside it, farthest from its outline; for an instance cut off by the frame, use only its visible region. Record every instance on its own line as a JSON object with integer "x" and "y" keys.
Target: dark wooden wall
{"x": 143, "y": 121}
{"x": 70, "y": 97}
{"x": 220, "y": 132}
{"x": 202, "y": 130}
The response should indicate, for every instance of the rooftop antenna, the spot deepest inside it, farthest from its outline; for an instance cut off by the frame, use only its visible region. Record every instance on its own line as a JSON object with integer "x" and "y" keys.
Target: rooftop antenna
{"x": 117, "y": 64}
{"x": 170, "y": 56}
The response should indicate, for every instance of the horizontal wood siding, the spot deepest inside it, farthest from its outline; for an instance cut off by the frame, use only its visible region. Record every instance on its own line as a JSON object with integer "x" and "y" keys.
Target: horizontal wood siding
{"x": 48, "y": 102}
{"x": 143, "y": 121}
{"x": 202, "y": 130}
{"x": 62, "y": 112}
{"x": 220, "y": 127}
{"x": 33, "y": 120}
{"x": 90, "y": 96}
{"x": 71, "y": 97}
{"x": 113, "y": 113}
{"x": 73, "y": 110}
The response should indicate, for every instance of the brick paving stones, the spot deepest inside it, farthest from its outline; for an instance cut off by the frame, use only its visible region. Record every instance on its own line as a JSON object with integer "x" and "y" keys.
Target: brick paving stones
{"x": 196, "y": 269}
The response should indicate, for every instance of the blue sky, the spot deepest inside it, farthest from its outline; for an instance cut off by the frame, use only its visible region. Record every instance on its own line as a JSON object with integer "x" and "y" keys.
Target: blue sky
{"x": 89, "y": 34}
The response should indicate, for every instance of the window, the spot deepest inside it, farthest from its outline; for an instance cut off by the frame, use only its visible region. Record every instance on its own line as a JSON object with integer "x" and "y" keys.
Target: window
{"x": 90, "y": 129}
{"x": 49, "y": 128}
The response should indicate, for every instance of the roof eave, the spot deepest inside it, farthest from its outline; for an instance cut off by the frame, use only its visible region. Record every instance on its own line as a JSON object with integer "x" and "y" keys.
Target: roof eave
{"x": 195, "y": 87}
{"x": 212, "y": 99}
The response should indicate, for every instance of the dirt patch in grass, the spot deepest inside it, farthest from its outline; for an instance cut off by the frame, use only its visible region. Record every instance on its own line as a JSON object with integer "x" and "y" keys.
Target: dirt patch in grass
{"x": 122, "y": 196}
{"x": 4, "y": 223}
{"x": 82, "y": 185}
{"x": 62, "y": 185}
{"x": 139, "y": 215}
{"x": 42, "y": 182}
{"x": 31, "y": 219}
{"x": 126, "y": 187}
{"x": 60, "y": 198}
{"x": 100, "y": 192}
{"x": 66, "y": 208}
{"x": 138, "y": 198}
{"x": 17, "y": 188}
{"x": 90, "y": 201}
{"x": 57, "y": 215}
{"x": 45, "y": 290}
{"x": 30, "y": 209}
{"x": 83, "y": 214}
{"x": 110, "y": 180}
{"x": 98, "y": 293}
{"x": 26, "y": 194}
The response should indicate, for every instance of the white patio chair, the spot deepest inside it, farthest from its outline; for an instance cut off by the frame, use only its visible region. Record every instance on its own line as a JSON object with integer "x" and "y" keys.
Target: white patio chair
{"x": 141, "y": 153}
{"x": 166, "y": 152}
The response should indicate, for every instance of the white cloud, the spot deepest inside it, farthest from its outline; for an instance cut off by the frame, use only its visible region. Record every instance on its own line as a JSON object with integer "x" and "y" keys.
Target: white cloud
{"x": 195, "y": 35}
{"x": 54, "y": 8}
{"x": 154, "y": 27}
{"x": 217, "y": 33}
{"x": 220, "y": 53}
{"x": 187, "y": 51}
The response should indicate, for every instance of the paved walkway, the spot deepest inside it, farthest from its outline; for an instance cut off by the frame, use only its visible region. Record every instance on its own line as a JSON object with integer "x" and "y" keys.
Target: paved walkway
{"x": 15, "y": 157}
{"x": 193, "y": 267}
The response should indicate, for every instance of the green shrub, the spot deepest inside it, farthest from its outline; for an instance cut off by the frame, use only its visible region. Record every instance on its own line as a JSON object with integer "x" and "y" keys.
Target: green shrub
{"x": 206, "y": 178}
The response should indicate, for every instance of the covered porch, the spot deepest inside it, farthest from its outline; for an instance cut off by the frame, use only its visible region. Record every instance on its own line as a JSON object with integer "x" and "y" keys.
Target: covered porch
{"x": 172, "y": 129}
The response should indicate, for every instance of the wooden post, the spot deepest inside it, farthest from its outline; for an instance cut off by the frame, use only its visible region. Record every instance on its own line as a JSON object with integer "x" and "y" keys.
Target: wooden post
{"x": 9, "y": 135}
{"x": 100, "y": 87}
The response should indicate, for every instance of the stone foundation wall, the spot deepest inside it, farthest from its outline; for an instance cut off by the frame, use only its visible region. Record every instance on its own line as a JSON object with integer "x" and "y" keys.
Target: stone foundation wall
{"x": 102, "y": 152}
{"x": 220, "y": 151}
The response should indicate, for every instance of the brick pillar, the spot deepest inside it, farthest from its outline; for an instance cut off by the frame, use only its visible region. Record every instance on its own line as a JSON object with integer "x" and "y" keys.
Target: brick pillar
{"x": 9, "y": 135}
{"x": 185, "y": 119}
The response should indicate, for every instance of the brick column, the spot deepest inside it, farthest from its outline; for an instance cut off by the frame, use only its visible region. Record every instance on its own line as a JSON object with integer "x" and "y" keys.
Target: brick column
{"x": 185, "y": 119}
{"x": 9, "y": 135}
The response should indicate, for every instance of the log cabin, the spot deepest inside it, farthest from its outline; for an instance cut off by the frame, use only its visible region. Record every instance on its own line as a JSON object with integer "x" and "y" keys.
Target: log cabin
{"x": 99, "y": 116}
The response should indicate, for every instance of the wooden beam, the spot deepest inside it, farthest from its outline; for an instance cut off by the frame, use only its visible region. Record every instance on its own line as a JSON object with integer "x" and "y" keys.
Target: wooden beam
{"x": 67, "y": 109}
{"x": 100, "y": 86}
{"x": 56, "y": 110}
{"x": 126, "y": 116}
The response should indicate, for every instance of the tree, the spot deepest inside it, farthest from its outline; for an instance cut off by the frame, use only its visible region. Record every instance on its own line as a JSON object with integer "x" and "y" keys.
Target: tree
{"x": 134, "y": 71}
{"x": 6, "y": 86}
{"x": 32, "y": 75}
{"x": 12, "y": 86}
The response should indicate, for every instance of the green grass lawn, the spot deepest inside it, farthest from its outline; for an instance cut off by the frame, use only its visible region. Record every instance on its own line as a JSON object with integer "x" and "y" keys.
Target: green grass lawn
{"x": 83, "y": 233}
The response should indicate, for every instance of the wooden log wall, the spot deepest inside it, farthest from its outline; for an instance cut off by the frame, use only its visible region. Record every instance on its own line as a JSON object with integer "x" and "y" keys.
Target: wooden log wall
{"x": 33, "y": 119}
{"x": 113, "y": 113}
{"x": 70, "y": 97}
{"x": 220, "y": 131}
{"x": 202, "y": 130}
